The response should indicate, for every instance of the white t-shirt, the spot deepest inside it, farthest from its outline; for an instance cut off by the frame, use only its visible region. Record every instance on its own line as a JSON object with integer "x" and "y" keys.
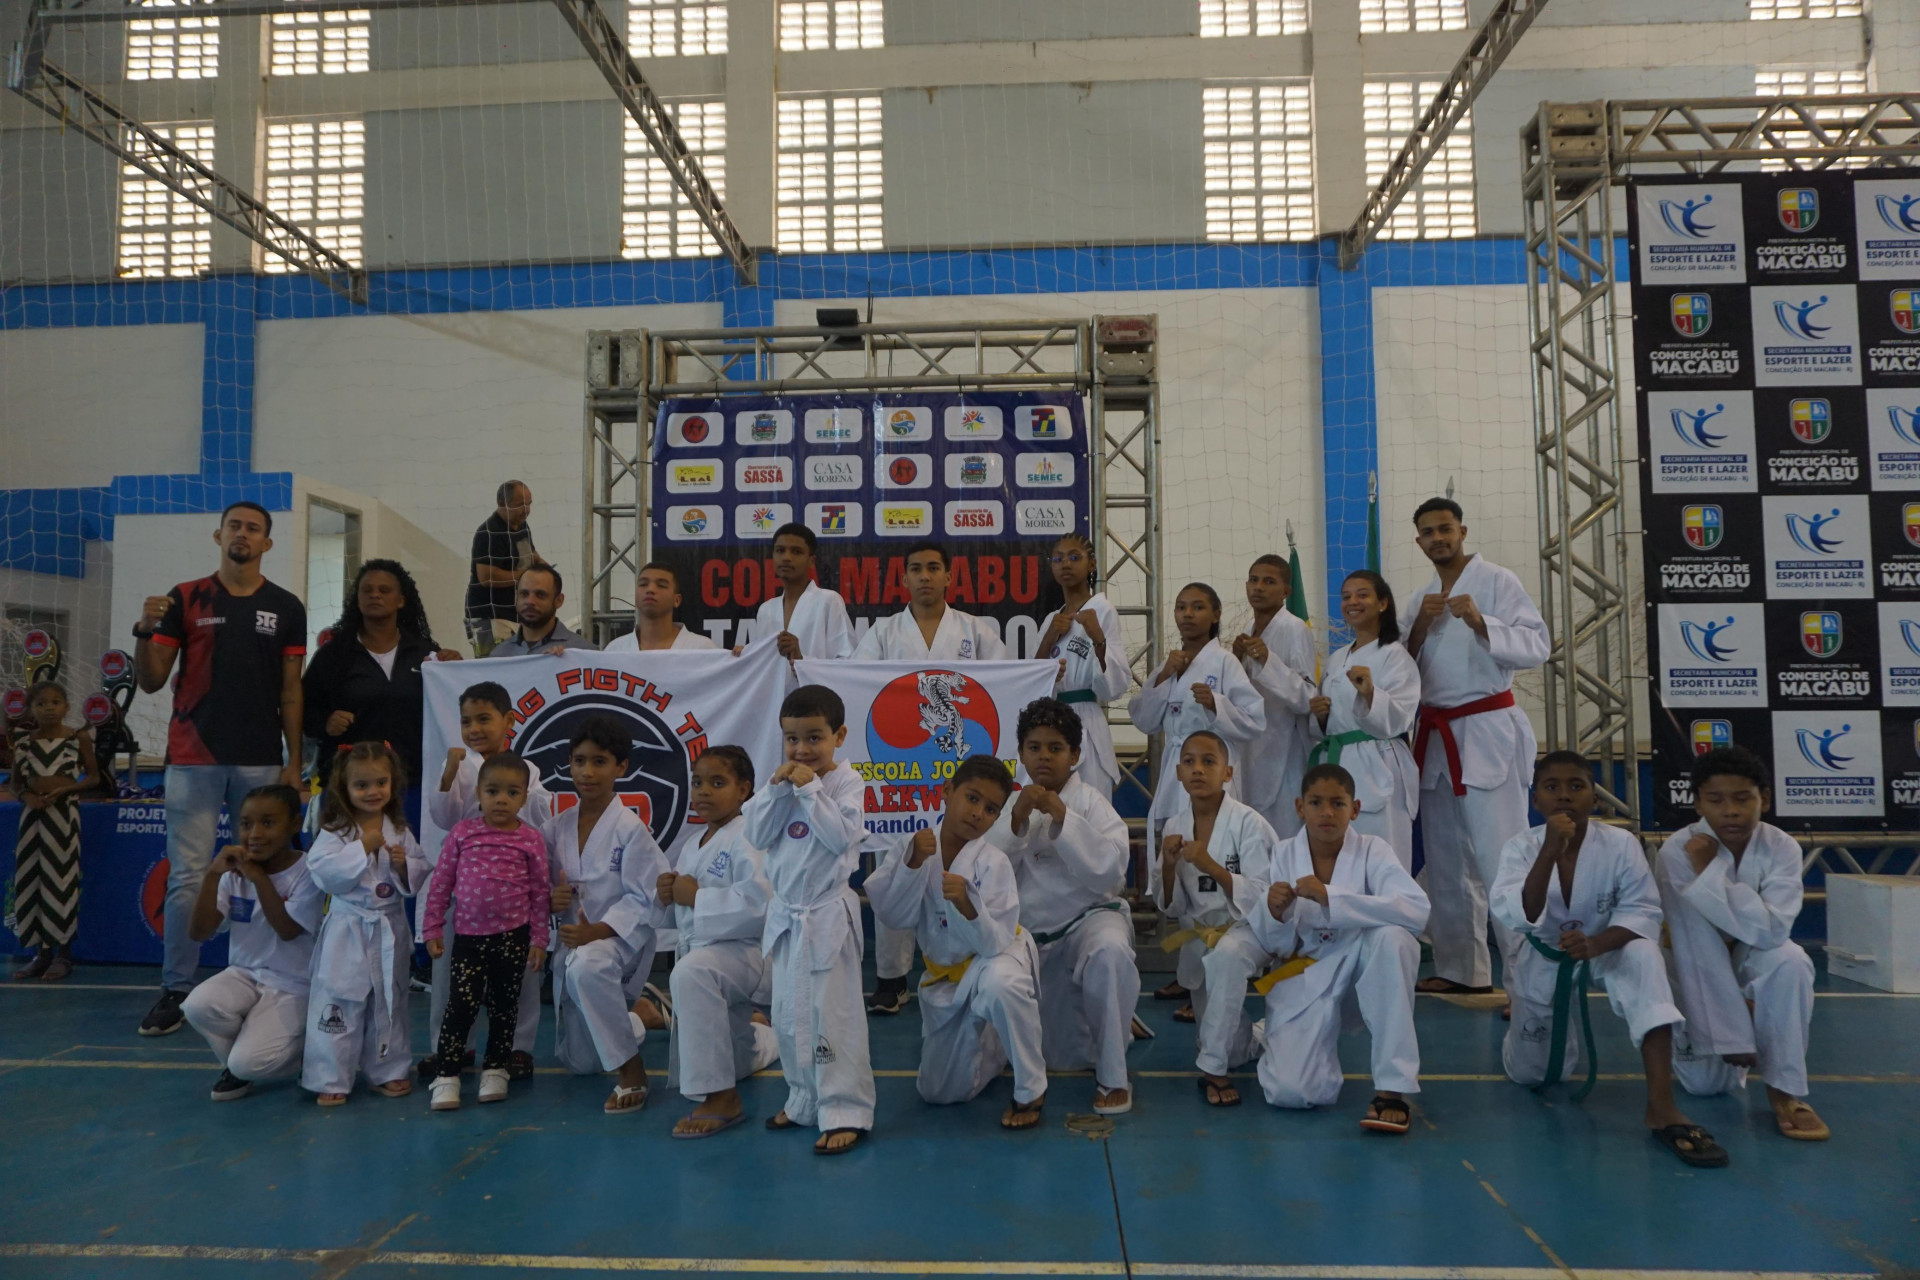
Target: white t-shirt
{"x": 386, "y": 659}
{"x": 252, "y": 943}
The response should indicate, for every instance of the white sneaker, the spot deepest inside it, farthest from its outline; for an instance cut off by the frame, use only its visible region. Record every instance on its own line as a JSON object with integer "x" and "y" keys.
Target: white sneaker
{"x": 493, "y": 1085}
{"x": 445, "y": 1092}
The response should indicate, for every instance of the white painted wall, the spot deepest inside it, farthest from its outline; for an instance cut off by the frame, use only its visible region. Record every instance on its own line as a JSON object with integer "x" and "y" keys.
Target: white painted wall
{"x": 428, "y": 414}
{"x": 81, "y": 406}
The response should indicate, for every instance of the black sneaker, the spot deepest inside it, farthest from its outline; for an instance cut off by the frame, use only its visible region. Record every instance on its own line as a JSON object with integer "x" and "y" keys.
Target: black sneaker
{"x": 165, "y": 1017}
{"x": 421, "y": 978}
{"x": 428, "y": 1067}
{"x": 519, "y": 1065}
{"x": 230, "y": 1087}
{"x": 889, "y": 996}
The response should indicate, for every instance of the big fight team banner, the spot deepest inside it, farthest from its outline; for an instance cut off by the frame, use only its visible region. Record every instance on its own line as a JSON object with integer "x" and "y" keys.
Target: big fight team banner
{"x": 1777, "y": 348}
{"x": 909, "y": 725}
{"x": 674, "y": 705}
{"x": 995, "y": 477}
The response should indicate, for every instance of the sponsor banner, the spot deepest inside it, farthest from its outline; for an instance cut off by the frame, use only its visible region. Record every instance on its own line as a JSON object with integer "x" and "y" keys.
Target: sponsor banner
{"x": 1806, "y": 335}
{"x": 1802, "y": 231}
{"x": 1900, "y": 653}
{"x": 1826, "y": 764}
{"x": 1896, "y": 545}
{"x": 998, "y": 477}
{"x": 910, "y": 724}
{"x": 1693, "y": 338}
{"x": 1823, "y": 653}
{"x": 1890, "y": 328}
{"x": 1818, "y": 546}
{"x": 1702, "y": 442}
{"x": 1887, "y": 216}
{"x": 675, "y": 706}
{"x": 1680, "y": 736}
{"x": 1893, "y": 438}
{"x": 1704, "y": 548}
{"x": 1712, "y": 655}
{"x": 1811, "y": 443}
{"x": 1691, "y": 233}
{"x": 1900, "y": 747}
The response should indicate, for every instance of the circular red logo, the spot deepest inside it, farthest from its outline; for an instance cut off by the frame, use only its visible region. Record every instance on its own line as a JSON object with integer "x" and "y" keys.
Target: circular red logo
{"x": 694, "y": 430}
{"x": 98, "y": 709}
{"x": 902, "y": 470}
{"x": 153, "y": 898}
{"x": 16, "y": 704}
{"x": 114, "y": 663}
{"x": 798, "y": 830}
{"x": 36, "y": 644}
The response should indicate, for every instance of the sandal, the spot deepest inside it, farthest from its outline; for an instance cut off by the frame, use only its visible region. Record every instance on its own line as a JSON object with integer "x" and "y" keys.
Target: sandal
{"x": 778, "y": 1121}
{"x": 1141, "y": 1031}
{"x": 1219, "y": 1093}
{"x": 821, "y": 1148}
{"x": 1376, "y": 1118}
{"x": 394, "y": 1088}
{"x": 1172, "y": 991}
{"x": 1015, "y": 1116}
{"x": 58, "y": 971}
{"x": 726, "y": 1122}
{"x": 1819, "y": 1134}
{"x": 1184, "y": 1013}
{"x": 1699, "y": 1149}
{"x": 1111, "y": 1107}
{"x": 621, "y": 1100}
{"x": 331, "y": 1100}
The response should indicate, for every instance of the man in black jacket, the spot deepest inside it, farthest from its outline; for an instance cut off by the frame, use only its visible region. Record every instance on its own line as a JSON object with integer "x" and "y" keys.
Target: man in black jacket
{"x": 502, "y": 547}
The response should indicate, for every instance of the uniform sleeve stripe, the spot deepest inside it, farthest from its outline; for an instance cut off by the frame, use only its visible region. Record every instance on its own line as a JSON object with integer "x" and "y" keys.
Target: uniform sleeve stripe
{"x": 168, "y": 641}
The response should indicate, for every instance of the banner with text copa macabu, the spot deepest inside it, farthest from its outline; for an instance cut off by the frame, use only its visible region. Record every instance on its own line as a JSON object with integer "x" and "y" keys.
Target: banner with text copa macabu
{"x": 1776, "y": 336}
{"x": 995, "y": 477}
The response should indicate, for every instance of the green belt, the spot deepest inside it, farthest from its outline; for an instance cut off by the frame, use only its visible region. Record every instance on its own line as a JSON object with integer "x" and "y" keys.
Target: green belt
{"x": 1571, "y": 978}
{"x": 1328, "y": 750}
{"x": 1071, "y": 696}
{"x": 1046, "y": 939}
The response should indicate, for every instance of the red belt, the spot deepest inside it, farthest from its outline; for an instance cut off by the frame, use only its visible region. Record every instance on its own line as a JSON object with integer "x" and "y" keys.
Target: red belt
{"x": 1441, "y": 718}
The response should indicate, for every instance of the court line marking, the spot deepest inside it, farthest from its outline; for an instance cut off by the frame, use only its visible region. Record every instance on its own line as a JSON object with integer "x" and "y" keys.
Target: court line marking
{"x": 119, "y": 1064}
{"x": 826, "y": 1266}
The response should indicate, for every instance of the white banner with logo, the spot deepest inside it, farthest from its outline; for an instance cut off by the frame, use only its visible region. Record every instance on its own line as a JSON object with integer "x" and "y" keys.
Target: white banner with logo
{"x": 910, "y": 724}
{"x": 674, "y": 705}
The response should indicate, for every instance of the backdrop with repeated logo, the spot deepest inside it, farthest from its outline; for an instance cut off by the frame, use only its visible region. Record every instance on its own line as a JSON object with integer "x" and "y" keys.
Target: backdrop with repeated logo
{"x": 1777, "y": 353}
{"x": 995, "y": 477}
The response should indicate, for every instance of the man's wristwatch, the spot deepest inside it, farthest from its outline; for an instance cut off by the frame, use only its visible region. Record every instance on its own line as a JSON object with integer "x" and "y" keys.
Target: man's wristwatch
{"x": 138, "y": 634}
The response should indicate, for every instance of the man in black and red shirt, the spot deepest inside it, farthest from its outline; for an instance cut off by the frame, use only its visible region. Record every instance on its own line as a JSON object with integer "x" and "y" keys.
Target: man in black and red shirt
{"x": 239, "y": 640}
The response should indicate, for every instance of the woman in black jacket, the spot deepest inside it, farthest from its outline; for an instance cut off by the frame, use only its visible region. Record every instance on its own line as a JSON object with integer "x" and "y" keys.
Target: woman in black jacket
{"x": 363, "y": 683}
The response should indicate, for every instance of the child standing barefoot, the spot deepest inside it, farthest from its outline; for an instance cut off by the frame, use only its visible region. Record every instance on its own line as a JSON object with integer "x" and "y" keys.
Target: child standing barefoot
{"x": 367, "y": 859}
{"x": 254, "y": 1011}
{"x": 52, "y": 763}
{"x": 497, "y": 865}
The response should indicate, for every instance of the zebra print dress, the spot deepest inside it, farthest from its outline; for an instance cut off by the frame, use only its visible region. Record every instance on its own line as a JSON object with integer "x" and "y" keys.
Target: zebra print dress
{"x": 46, "y": 873}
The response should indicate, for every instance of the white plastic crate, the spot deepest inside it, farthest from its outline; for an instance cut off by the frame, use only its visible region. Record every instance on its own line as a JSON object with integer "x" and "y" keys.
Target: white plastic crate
{"x": 1873, "y": 931}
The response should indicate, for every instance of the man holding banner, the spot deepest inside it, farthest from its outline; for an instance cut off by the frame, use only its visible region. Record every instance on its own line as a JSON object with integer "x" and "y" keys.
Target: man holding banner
{"x": 925, "y": 630}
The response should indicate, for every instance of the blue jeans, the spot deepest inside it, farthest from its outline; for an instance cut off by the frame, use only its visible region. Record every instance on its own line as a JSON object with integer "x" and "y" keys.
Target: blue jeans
{"x": 194, "y": 795}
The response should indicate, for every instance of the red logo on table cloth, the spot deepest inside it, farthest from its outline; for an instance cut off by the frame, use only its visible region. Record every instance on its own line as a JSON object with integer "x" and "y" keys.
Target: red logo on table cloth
{"x": 798, "y": 831}
{"x": 153, "y": 898}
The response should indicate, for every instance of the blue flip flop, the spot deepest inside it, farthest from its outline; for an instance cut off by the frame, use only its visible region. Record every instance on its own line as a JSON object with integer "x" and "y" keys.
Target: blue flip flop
{"x": 725, "y": 1125}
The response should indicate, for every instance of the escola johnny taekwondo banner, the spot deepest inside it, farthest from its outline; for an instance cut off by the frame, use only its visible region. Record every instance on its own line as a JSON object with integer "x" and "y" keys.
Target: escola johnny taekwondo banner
{"x": 674, "y": 704}
{"x": 910, "y": 724}
{"x": 1777, "y": 347}
{"x": 995, "y": 477}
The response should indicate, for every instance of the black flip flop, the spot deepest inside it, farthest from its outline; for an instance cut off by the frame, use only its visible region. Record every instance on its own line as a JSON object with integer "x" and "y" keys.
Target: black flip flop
{"x": 859, "y": 1136}
{"x": 778, "y": 1122}
{"x": 1184, "y": 1013}
{"x": 726, "y": 1123}
{"x": 1024, "y": 1109}
{"x": 1214, "y": 1099}
{"x": 1704, "y": 1153}
{"x": 1378, "y": 1122}
{"x": 1451, "y": 989}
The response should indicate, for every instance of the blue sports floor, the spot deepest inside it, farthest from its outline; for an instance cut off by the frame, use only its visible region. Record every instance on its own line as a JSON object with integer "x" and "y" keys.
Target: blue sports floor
{"x": 115, "y": 1163}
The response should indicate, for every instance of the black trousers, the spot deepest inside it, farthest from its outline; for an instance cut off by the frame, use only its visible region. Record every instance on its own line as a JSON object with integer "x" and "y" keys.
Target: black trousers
{"x": 486, "y": 968}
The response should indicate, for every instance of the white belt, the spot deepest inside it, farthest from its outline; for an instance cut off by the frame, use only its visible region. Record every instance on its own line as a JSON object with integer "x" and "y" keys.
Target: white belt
{"x": 381, "y": 919}
{"x": 799, "y": 921}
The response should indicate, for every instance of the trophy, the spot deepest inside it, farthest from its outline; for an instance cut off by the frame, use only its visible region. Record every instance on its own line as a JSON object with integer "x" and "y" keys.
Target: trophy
{"x": 111, "y": 735}
{"x": 43, "y": 657}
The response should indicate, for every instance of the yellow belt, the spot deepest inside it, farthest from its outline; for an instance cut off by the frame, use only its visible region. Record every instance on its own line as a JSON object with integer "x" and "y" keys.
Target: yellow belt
{"x": 1292, "y": 968}
{"x": 937, "y": 972}
{"x": 1209, "y": 934}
